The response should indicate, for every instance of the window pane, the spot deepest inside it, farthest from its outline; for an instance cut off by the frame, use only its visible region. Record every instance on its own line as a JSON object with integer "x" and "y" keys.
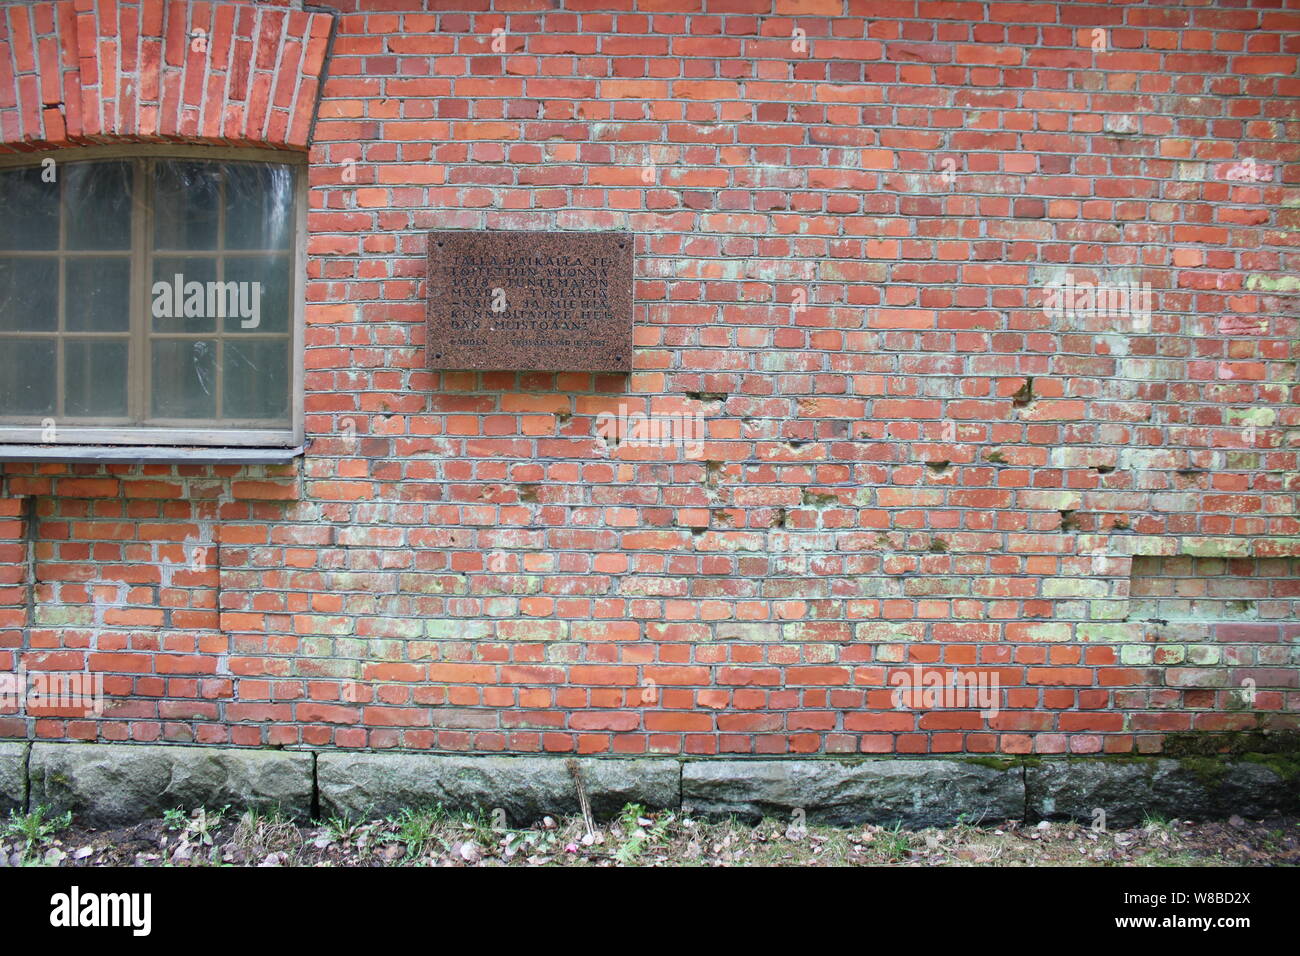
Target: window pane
{"x": 168, "y": 304}
{"x": 98, "y": 294}
{"x": 95, "y": 377}
{"x": 26, "y": 198}
{"x": 27, "y": 377}
{"x": 259, "y": 207}
{"x": 184, "y": 378}
{"x": 256, "y": 379}
{"x": 271, "y": 273}
{"x": 29, "y": 294}
{"x": 97, "y": 205}
{"x": 186, "y": 310}
{"x": 186, "y": 199}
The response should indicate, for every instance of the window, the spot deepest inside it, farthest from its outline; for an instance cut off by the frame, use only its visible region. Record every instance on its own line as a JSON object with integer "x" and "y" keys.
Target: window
{"x": 150, "y": 301}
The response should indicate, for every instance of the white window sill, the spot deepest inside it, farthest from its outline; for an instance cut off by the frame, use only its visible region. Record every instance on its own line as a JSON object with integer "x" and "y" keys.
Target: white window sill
{"x": 125, "y": 454}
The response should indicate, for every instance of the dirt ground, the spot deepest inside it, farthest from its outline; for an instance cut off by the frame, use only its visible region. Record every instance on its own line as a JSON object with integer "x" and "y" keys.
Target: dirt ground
{"x": 636, "y": 838}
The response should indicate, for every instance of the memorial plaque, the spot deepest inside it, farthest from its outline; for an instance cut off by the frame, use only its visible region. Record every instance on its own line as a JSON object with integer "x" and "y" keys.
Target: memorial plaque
{"x": 552, "y": 301}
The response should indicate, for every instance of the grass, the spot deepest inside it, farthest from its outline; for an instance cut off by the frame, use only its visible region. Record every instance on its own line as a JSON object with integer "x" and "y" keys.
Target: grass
{"x": 262, "y": 834}
{"x": 417, "y": 830}
{"x": 894, "y": 843}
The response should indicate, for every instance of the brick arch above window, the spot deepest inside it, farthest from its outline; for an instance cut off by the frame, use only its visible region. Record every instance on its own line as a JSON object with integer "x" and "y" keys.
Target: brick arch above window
{"x": 79, "y": 72}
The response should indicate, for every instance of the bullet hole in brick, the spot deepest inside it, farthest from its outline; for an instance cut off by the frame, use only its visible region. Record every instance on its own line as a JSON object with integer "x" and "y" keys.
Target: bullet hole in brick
{"x": 938, "y": 466}
{"x": 938, "y": 545}
{"x": 781, "y": 519}
{"x": 562, "y": 418}
{"x": 1103, "y": 469}
{"x": 1024, "y": 394}
{"x": 796, "y": 443}
{"x": 707, "y": 396}
{"x": 528, "y": 493}
{"x": 996, "y": 457}
{"x": 1068, "y": 521}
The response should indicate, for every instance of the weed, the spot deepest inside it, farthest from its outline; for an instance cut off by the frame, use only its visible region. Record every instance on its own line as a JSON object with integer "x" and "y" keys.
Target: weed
{"x": 34, "y": 828}
{"x": 341, "y": 829}
{"x": 633, "y": 822}
{"x": 175, "y": 819}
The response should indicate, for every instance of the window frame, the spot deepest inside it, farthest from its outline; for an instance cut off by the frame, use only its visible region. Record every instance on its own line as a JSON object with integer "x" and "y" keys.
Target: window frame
{"x": 19, "y": 442}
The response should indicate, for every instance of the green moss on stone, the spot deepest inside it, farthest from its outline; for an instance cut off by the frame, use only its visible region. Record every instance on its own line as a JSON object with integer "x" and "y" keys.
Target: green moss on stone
{"x": 1234, "y": 743}
{"x": 1286, "y": 766}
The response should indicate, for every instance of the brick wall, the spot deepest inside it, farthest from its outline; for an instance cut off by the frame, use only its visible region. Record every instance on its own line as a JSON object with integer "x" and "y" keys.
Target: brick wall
{"x": 855, "y": 225}
{"x": 84, "y": 72}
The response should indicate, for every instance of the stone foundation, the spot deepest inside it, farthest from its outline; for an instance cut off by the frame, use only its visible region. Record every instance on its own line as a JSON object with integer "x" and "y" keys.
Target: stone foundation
{"x": 114, "y": 784}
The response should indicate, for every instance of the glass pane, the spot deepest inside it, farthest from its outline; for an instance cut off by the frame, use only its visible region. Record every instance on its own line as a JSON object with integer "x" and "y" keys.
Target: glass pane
{"x": 26, "y": 197}
{"x": 27, "y": 377}
{"x": 97, "y": 205}
{"x": 264, "y": 282}
{"x": 259, "y": 206}
{"x": 98, "y": 294}
{"x": 29, "y": 295}
{"x": 179, "y": 294}
{"x": 184, "y": 378}
{"x": 94, "y": 377}
{"x": 255, "y": 376}
{"x": 186, "y": 198}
